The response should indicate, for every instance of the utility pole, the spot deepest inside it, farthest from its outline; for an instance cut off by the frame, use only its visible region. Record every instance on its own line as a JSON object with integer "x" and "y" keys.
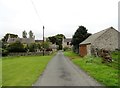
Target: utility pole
{"x": 43, "y": 40}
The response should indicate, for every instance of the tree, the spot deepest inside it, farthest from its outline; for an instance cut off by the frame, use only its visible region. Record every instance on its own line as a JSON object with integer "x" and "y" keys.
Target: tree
{"x": 16, "y": 47}
{"x": 52, "y": 39}
{"x": 24, "y": 34}
{"x": 60, "y": 36}
{"x": 7, "y": 36}
{"x": 79, "y": 36}
{"x": 57, "y": 39}
{"x": 30, "y": 34}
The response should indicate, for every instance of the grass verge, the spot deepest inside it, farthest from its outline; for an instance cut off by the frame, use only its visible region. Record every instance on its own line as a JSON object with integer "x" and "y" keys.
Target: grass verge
{"x": 103, "y": 73}
{"x": 23, "y": 70}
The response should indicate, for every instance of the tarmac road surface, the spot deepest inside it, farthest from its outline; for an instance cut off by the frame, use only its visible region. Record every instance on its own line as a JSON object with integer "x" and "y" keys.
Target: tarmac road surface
{"x": 60, "y": 71}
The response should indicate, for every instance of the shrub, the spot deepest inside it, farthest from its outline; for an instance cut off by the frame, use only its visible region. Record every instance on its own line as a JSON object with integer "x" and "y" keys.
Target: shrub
{"x": 16, "y": 47}
{"x": 4, "y": 52}
{"x": 32, "y": 47}
{"x": 66, "y": 48}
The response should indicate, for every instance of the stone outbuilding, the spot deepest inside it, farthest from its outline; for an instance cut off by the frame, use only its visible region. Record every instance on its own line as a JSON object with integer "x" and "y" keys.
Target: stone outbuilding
{"x": 106, "y": 39}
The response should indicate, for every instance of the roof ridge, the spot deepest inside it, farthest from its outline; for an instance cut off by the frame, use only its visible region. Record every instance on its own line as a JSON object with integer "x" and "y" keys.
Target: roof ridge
{"x": 95, "y": 36}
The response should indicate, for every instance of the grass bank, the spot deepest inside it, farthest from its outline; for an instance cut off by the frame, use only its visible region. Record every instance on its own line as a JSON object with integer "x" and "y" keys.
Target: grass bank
{"x": 104, "y": 73}
{"x": 23, "y": 70}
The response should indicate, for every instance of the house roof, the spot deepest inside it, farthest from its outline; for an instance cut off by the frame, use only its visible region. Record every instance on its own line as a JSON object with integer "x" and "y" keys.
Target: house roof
{"x": 67, "y": 40}
{"x": 22, "y": 40}
{"x": 93, "y": 37}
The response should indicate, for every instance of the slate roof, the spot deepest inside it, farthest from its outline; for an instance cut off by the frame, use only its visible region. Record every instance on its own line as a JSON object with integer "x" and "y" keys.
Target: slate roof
{"x": 95, "y": 36}
{"x": 22, "y": 40}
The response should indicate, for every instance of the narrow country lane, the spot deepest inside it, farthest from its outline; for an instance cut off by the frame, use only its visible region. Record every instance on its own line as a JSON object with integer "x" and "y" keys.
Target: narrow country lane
{"x": 62, "y": 72}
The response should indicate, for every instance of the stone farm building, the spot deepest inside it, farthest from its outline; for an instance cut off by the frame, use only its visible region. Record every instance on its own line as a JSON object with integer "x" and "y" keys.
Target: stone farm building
{"x": 106, "y": 39}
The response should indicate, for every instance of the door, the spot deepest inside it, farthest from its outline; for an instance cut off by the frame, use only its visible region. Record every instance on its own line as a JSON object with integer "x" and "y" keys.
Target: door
{"x": 83, "y": 50}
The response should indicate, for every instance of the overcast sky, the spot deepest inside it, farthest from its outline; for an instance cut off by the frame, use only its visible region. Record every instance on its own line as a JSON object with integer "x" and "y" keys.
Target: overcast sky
{"x": 58, "y": 16}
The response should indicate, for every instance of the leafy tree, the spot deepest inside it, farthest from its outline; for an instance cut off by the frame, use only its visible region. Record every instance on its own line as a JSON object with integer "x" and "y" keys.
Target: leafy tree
{"x": 59, "y": 42}
{"x": 52, "y": 39}
{"x": 31, "y": 34}
{"x": 7, "y": 35}
{"x": 24, "y": 34}
{"x": 16, "y": 47}
{"x": 57, "y": 39}
{"x": 60, "y": 36}
{"x": 79, "y": 36}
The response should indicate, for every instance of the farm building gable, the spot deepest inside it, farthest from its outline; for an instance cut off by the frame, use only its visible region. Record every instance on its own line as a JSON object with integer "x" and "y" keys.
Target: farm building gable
{"x": 105, "y": 39}
{"x": 93, "y": 37}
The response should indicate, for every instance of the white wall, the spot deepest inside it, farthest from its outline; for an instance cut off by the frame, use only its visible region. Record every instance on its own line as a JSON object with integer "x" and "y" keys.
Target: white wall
{"x": 89, "y": 49}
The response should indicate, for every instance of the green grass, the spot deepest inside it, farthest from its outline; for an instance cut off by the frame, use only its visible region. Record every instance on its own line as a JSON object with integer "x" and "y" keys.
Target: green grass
{"x": 105, "y": 74}
{"x": 115, "y": 55}
{"x": 23, "y": 70}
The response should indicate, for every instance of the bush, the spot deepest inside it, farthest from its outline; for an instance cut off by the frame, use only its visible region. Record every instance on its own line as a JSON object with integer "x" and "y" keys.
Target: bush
{"x": 75, "y": 49}
{"x": 33, "y": 47}
{"x": 4, "y": 52}
{"x": 16, "y": 47}
{"x": 66, "y": 48}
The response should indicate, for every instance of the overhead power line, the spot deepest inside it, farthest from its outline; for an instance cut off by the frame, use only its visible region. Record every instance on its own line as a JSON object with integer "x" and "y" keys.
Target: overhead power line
{"x": 40, "y": 21}
{"x": 36, "y": 11}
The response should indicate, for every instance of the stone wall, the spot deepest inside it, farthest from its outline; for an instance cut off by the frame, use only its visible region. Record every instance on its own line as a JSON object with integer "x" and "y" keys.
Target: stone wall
{"x": 29, "y": 53}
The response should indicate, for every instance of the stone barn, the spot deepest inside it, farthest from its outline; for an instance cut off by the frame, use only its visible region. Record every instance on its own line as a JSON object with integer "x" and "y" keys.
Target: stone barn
{"x": 106, "y": 39}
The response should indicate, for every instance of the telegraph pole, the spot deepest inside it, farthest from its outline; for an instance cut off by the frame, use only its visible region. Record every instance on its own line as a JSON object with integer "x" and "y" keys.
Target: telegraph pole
{"x": 43, "y": 40}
